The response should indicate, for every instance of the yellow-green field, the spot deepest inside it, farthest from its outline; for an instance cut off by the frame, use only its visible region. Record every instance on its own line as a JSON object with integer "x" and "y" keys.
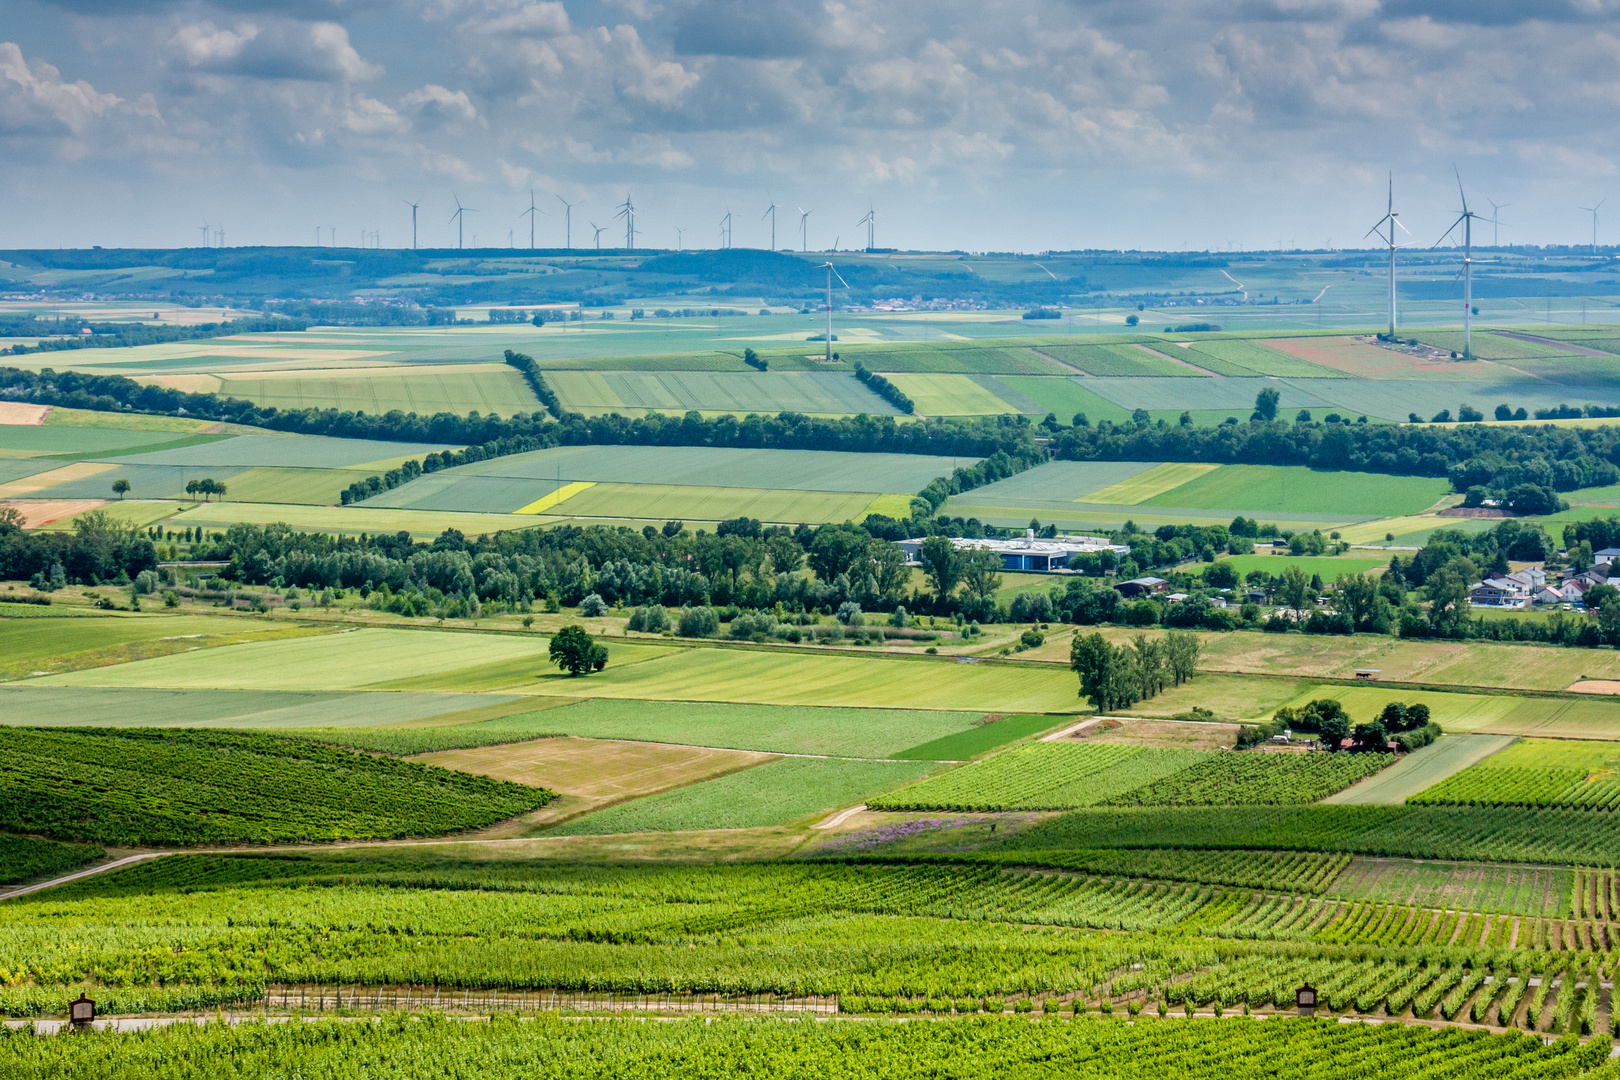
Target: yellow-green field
{"x": 422, "y": 523}
{"x": 949, "y": 395}
{"x": 1145, "y": 485}
{"x": 1591, "y": 718}
{"x": 659, "y": 502}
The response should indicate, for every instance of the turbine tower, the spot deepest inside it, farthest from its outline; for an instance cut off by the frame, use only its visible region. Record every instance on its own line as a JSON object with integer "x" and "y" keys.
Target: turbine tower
{"x": 600, "y": 229}
{"x": 1393, "y": 220}
{"x": 204, "y": 228}
{"x": 627, "y": 210}
{"x": 1593, "y": 211}
{"x": 870, "y": 221}
{"x": 531, "y": 211}
{"x": 568, "y": 220}
{"x": 1466, "y": 220}
{"x": 831, "y": 273}
{"x": 413, "y": 207}
{"x": 725, "y": 229}
{"x": 804, "y": 229}
{"x": 459, "y": 217}
{"x": 770, "y": 212}
{"x": 1496, "y": 208}
{"x": 680, "y": 238}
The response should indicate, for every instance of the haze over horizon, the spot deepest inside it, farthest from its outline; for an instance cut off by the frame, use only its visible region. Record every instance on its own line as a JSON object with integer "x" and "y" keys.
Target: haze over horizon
{"x": 1160, "y": 125}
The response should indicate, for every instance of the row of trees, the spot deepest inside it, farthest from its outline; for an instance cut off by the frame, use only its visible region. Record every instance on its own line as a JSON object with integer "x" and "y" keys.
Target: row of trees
{"x": 1408, "y": 725}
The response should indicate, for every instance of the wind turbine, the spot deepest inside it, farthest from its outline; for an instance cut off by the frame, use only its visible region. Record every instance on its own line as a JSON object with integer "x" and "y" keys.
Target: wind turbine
{"x": 870, "y": 221}
{"x": 413, "y": 207}
{"x": 600, "y": 229}
{"x": 680, "y": 238}
{"x": 831, "y": 273}
{"x": 531, "y": 211}
{"x": 568, "y": 220}
{"x": 204, "y": 228}
{"x": 1495, "y": 224}
{"x": 725, "y": 229}
{"x": 770, "y": 212}
{"x": 1393, "y": 220}
{"x": 804, "y": 229}
{"x": 459, "y": 218}
{"x": 1593, "y": 211}
{"x": 1466, "y": 220}
{"x": 627, "y": 210}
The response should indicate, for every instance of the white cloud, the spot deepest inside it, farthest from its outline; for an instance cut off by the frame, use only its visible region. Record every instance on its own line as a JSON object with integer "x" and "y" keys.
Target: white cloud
{"x": 275, "y": 50}
{"x": 36, "y": 100}
{"x": 433, "y": 98}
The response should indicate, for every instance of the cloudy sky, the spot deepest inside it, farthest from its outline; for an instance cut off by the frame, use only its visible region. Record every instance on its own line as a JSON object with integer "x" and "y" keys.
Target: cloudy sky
{"x": 975, "y": 124}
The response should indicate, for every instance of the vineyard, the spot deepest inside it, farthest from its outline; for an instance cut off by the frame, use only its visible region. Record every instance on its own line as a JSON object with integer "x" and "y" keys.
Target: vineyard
{"x": 1042, "y": 776}
{"x": 23, "y": 859}
{"x": 1063, "y": 776}
{"x": 1488, "y": 786}
{"x": 1492, "y": 834}
{"x": 905, "y": 934}
{"x": 1256, "y": 779}
{"x": 507, "y": 1048}
{"x": 178, "y": 786}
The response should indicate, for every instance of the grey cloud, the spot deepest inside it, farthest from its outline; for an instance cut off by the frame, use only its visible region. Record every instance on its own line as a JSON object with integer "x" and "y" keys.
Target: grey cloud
{"x": 758, "y": 29}
{"x": 1503, "y": 12}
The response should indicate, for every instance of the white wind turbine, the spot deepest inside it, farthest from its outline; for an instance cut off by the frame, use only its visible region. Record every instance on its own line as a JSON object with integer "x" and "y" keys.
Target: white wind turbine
{"x": 1393, "y": 220}
{"x": 1466, "y": 220}
{"x": 1593, "y": 211}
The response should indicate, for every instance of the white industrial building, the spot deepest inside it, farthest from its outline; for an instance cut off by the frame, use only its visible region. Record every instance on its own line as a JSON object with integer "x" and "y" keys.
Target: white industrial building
{"x": 1028, "y": 553}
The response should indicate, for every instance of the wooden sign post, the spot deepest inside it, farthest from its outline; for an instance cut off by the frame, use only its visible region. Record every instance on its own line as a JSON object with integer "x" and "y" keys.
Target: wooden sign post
{"x": 81, "y": 1012}
{"x": 1305, "y": 999}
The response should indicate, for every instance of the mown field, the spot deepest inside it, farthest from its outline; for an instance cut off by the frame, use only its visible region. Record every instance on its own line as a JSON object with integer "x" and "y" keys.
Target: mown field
{"x": 748, "y": 391}
{"x": 424, "y": 389}
{"x": 1283, "y": 489}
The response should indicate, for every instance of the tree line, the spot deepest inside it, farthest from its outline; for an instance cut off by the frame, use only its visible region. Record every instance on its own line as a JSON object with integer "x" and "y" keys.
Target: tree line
{"x": 118, "y": 335}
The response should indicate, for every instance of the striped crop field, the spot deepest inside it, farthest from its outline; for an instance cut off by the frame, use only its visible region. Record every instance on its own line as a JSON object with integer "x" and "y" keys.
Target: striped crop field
{"x": 716, "y": 391}
{"x": 1255, "y": 358}
{"x": 424, "y": 389}
{"x": 1157, "y": 481}
{"x": 1121, "y": 361}
{"x": 546, "y": 502}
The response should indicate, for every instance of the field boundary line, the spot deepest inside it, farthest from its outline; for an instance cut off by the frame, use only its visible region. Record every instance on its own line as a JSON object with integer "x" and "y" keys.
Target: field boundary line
{"x": 839, "y": 818}
{"x": 91, "y": 872}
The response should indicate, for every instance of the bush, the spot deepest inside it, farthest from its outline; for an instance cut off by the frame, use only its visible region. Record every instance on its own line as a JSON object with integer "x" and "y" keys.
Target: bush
{"x": 850, "y": 614}
{"x": 649, "y": 619}
{"x": 146, "y": 582}
{"x": 752, "y": 623}
{"x": 698, "y": 622}
{"x": 1031, "y": 639}
{"x": 593, "y": 606}
{"x": 899, "y": 617}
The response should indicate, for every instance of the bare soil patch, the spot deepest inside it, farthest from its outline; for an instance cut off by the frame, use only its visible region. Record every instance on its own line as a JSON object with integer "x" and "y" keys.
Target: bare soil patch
{"x": 23, "y": 413}
{"x": 592, "y": 773}
{"x": 1163, "y": 733}
{"x": 1594, "y": 686}
{"x": 38, "y": 512}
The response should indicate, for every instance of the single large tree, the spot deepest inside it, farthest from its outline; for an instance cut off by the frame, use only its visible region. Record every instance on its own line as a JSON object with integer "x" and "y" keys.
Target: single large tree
{"x": 981, "y": 573}
{"x": 120, "y": 487}
{"x": 573, "y": 650}
{"x": 942, "y": 563}
{"x": 1265, "y": 405}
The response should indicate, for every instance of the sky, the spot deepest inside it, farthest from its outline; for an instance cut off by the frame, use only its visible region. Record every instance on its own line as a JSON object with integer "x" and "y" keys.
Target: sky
{"x": 966, "y": 124}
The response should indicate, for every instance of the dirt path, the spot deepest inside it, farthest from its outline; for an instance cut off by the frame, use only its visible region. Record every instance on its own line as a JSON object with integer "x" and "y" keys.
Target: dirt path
{"x": 1563, "y": 346}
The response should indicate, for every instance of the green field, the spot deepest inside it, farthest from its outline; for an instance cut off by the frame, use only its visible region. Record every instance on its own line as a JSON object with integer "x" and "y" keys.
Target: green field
{"x": 834, "y": 732}
{"x": 36, "y": 645}
{"x": 1329, "y": 567}
{"x": 1423, "y": 767}
{"x": 1255, "y": 358}
{"x": 775, "y": 793}
{"x": 1065, "y": 397}
{"x": 779, "y": 677}
{"x": 981, "y": 738}
{"x": 962, "y": 358}
{"x": 656, "y": 502}
{"x": 421, "y": 524}
{"x": 312, "y": 487}
{"x": 748, "y": 391}
{"x": 289, "y": 451}
{"x": 1568, "y": 718}
{"x": 1556, "y": 754}
{"x": 109, "y": 706}
{"x": 1145, "y": 485}
{"x": 427, "y": 389}
{"x": 1042, "y": 776}
{"x": 167, "y": 786}
{"x": 344, "y": 661}
{"x": 1067, "y": 481}
{"x": 1120, "y": 360}
{"x": 1525, "y": 890}
{"x": 1256, "y": 778}
{"x": 94, "y": 441}
{"x": 1283, "y": 489}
